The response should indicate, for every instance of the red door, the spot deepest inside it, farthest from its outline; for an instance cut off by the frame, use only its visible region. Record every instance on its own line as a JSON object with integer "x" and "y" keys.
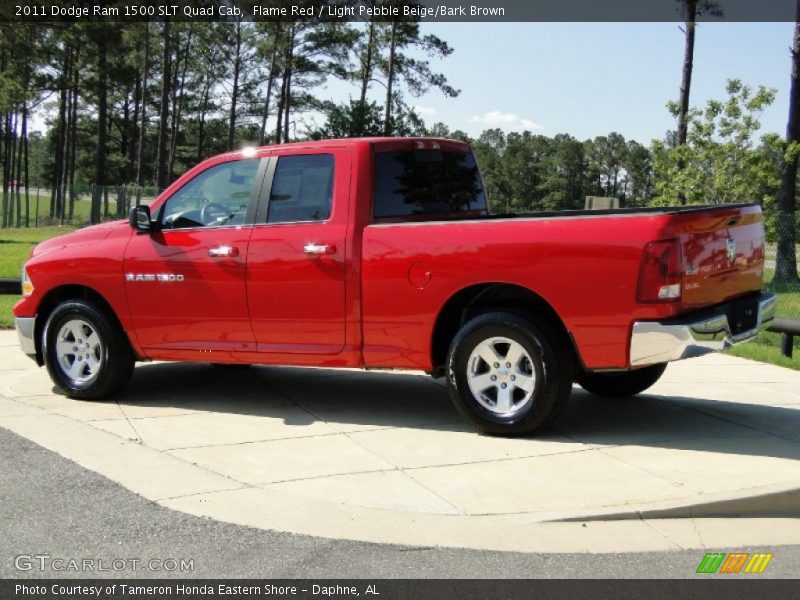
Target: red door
{"x": 296, "y": 257}
{"x": 186, "y": 283}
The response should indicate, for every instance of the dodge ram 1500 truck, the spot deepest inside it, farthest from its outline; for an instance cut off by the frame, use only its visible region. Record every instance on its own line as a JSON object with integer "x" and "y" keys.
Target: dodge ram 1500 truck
{"x": 383, "y": 253}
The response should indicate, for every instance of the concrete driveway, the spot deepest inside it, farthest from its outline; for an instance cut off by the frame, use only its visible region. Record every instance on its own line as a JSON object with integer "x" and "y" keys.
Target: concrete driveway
{"x": 384, "y": 457}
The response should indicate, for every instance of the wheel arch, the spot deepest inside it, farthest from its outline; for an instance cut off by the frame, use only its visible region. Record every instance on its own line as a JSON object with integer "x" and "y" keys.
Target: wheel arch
{"x": 489, "y": 297}
{"x": 59, "y": 294}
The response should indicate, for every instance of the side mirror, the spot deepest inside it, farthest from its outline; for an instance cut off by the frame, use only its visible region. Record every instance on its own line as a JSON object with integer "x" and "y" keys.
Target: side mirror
{"x": 139, "y": 218}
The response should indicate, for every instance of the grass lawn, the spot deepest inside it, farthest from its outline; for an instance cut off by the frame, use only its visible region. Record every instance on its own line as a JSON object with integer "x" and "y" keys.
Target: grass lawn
{"x": 788, "y": 295}
{"x": 81, "y": 211}
{"x": 6, "y": 304}
{"x": 767, "y": 346}
{"x": 15, "y": 247}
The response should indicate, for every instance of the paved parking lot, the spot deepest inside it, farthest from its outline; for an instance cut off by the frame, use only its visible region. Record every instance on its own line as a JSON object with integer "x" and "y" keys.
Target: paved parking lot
{"x": 383, "y": 457}
{"x": 53, "y": 506}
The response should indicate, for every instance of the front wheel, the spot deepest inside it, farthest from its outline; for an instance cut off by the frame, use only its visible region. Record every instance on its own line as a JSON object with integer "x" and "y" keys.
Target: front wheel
{"x": 624, "y": 383}
{"x": 509, "y": 375}
{"x": 85, "y": 351}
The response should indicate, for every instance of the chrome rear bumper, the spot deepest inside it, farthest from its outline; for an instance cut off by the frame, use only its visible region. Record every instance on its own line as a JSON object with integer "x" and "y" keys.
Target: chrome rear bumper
{"x": 25, "y": 331}
{"x": 707, "y": 331}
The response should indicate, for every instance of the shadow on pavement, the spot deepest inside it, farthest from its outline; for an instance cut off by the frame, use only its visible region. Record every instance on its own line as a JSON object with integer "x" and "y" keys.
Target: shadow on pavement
{"x": 407, "y": 400}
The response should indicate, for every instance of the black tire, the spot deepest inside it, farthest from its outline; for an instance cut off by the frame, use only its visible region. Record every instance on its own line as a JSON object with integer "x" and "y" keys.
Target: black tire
{"x": 622, "y": 384}
{"x": 548, "y": 358}
{"x": 114, "y": 361}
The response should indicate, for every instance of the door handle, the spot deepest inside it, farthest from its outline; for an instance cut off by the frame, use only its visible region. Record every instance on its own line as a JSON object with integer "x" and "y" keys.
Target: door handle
{"x": 318, "y": 249}
{"x": 223, "y": 251}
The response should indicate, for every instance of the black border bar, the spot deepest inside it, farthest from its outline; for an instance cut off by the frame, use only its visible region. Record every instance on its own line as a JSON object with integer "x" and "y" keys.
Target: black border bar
{"x": 701, "y": 587}
{"x": 68, "y": 11}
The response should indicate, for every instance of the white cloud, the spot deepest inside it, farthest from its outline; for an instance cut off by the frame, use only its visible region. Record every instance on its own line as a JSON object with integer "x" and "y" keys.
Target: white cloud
{"x": 424, "y": 111}
{"x": 495, "y": 118}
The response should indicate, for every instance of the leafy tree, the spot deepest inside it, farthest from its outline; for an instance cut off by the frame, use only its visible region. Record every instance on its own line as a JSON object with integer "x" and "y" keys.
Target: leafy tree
{"x": 267, "y": 51}
{"x": 439, "y": 130}
{"x": 691, "y": 9}
{"x": 140, "y": 103}
{"x": 563, "y": 184}
{"x": 720, "y": 162}
{"x": 368, "y": 48}
{"x": 309, "y": 53}
{"x": 357, "y": 119}
{"x": 142, "y": 61}
{"x": 404, "y": 35}
{"x": 605, "y": 156}
{"x": 161, "y": 176}
{"x": 354, "y": 119}
{"x": 527, "y": 172}
{"x": 21, "y": 90}
{"x": 240, "y": 49}
{"x": 638, "y": 168}
{"x": 489, "y": 149}
{"x": 768, "y": 182}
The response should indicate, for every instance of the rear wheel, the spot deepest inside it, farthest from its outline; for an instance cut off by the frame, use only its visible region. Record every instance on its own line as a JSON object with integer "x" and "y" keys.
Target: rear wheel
{"x": 622, "y": 384}
{"x": 509, "y": 375}
{"x": 86, "y": 352}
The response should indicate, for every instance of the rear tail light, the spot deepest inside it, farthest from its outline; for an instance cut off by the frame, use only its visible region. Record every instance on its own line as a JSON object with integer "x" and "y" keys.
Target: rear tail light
{"x": 661, "y": 273}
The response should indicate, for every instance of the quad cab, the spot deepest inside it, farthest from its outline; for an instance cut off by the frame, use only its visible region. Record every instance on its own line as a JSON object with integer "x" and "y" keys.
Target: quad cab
{"x": 382, "y": 253}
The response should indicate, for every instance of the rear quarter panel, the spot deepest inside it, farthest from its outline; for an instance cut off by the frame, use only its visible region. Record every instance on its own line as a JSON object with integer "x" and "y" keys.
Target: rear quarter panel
{"x": 585, "y": 268}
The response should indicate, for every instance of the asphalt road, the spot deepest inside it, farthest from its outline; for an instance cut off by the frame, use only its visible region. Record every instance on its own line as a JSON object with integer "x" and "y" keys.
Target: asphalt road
{"x": 51, "y": 506}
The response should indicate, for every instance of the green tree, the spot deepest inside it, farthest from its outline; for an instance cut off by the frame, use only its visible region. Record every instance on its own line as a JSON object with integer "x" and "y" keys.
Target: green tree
{"x": 691, "y": 9}
{"x": 267, "y": 51}
{"x": 564, "y": 184}
{"x": 638, "y": 167}
{"x": 403, "y": 37}
{"x": 309, "y": 53}
{"x": 354, "y": 119}
{"x": 161, "y": 176}
{"x": 357, "y": 119}
{"x": 720, "y": 162}
{"x": 240, "y": 51}
{"x": 22, "y": 57}
{"x": 489, "y": 149}
{"x": 606, "y": 155}
{"x": 140, "y": 103}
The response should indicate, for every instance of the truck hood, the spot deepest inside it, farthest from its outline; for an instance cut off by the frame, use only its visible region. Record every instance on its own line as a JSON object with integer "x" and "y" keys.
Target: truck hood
{"x": 81, "y": 237}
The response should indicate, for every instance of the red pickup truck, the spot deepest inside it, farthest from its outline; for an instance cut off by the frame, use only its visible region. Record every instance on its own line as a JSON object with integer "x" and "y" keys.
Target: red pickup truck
{"x": 382, "y": 253}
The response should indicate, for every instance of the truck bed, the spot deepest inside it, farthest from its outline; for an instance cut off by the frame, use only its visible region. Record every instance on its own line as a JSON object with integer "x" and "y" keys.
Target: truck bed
{"x": 620, "y": 212}
{"x": 584, "y": 264}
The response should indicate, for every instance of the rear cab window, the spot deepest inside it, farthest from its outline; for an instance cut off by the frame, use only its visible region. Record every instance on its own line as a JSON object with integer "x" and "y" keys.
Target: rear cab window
{"x": 427, "y": 184}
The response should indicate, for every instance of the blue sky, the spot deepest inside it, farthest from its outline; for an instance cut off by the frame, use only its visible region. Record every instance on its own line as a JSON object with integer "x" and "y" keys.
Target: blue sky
{"x": 589, "y": 79}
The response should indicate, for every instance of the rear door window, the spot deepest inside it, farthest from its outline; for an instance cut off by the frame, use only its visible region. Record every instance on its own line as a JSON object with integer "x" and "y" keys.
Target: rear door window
{"x": 432, "y": 183}
{"x": 302, "y": 189}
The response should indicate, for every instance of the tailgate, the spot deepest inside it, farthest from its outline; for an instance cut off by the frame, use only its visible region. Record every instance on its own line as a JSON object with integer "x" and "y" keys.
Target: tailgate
{"x": 723, "y": 254}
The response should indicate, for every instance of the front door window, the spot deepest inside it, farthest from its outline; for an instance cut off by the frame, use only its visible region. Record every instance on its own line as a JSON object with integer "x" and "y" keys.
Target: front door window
{"x": 219, "y": 196}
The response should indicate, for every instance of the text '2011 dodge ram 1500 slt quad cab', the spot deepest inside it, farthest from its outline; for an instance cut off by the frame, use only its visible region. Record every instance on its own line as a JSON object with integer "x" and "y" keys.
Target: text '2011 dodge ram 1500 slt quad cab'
{"x": 382, "y": 253}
